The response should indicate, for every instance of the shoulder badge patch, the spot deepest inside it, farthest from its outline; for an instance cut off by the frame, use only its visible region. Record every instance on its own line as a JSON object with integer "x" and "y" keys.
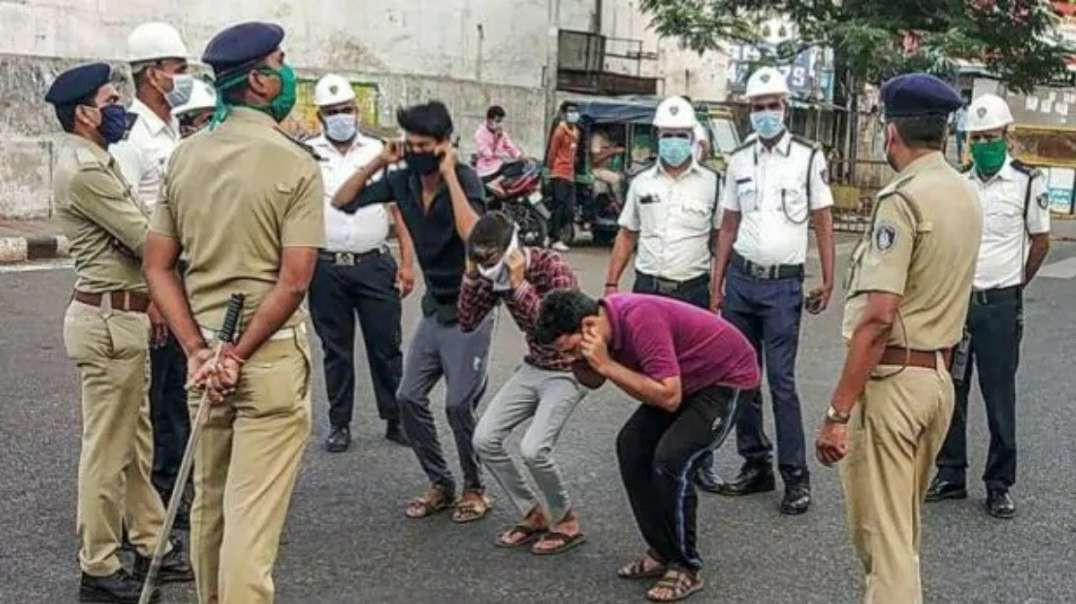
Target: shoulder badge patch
{"x": 1043, "y": 200}
{"x": 885, "y": 237}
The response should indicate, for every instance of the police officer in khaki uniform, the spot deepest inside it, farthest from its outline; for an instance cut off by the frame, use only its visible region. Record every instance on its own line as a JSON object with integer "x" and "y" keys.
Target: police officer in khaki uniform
{"x": 106, "y": 333}
{"x": 908, "y": 292}
{"x": 243, "y": 201}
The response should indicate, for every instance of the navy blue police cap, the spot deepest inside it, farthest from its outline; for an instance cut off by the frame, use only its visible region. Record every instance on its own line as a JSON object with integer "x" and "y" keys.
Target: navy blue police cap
{"x": 241, "y": 46}
{"x": 919, "y": 94}
{"x": 77, "y": 83}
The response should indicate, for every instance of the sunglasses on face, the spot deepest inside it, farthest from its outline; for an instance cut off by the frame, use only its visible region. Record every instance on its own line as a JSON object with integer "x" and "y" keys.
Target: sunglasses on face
{"x": 774, "y": 106}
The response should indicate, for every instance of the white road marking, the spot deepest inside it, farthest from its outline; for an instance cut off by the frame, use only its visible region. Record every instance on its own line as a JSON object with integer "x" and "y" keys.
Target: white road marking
{"x": 43, "y": 265}
{"x": 1062, "y": 269}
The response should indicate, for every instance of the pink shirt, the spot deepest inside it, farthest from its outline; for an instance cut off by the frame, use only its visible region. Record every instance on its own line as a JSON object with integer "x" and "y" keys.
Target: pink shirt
{"x": 663, "y": 338}
{"x": 492, "y": 149}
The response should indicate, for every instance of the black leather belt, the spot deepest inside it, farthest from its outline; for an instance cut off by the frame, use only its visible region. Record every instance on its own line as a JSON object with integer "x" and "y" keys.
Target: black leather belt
{"x": 762, "y": 272}
{"x": 349, "y": 258}
{"x": 984, "y": 297}
{"x": 670, "y": 286}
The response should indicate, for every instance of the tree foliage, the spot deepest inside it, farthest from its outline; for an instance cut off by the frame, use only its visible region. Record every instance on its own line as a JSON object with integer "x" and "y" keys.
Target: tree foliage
{"x": 875, "y": 39}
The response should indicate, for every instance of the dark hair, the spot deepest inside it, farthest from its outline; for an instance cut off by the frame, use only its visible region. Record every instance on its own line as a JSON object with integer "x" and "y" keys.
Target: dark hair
{"x": 493, "y": 230}
{"x": 427, "y": 119}
{"x": 567, "y": 106}
{"x": 562, "y": 313}
{"x": 495, "y": 112}
{"x": 922, "y": 131}
{"x": 66, "y": 113}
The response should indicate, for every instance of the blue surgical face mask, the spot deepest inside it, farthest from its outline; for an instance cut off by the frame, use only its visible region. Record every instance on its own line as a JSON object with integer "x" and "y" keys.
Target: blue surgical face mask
{"x": 674, "y": 150}
{"x": 768, "y": 124}
{"x": 340, "y": 127}
{"x": 113, "y": 126}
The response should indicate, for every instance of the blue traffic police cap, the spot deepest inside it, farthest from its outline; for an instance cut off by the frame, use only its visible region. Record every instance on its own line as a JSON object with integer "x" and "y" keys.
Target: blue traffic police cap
{"x": 919, "y": 94}
{"x": 77, "y": 83}
{"x": 241, "y": 46}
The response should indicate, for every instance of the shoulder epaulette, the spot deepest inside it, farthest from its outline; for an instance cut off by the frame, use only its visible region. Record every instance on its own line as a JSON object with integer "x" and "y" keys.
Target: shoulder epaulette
{"x": 86, "y": 158}
{"x": 1029, "y": 171}
{"x": 299, "y": 143}
{"x": 745, "y": 145}
{"x": 894, "y": 186}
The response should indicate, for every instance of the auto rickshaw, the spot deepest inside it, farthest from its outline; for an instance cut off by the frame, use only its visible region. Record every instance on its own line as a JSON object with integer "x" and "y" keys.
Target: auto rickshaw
{"x": 624, "y": 125}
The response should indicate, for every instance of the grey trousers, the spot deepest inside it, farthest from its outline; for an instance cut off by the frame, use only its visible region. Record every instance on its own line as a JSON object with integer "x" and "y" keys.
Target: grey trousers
{"x": 444, "y": 351}
{"x": 549, "y": 397}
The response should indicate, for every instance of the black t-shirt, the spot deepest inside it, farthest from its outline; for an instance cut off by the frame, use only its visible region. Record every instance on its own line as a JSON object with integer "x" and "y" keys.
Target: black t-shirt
{"x": 439, "y": 248}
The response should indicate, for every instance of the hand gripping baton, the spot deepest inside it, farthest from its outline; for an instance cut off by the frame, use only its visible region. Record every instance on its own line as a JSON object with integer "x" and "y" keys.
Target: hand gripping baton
{"x": 225, "y": 335}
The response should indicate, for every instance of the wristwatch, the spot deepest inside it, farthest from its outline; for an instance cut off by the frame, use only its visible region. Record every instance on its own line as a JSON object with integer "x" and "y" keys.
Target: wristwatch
{"x": 832, "y": 415}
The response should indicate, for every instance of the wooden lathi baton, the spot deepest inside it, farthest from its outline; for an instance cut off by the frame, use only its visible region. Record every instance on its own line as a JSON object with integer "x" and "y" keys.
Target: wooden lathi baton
{"x": 226, "y": 335}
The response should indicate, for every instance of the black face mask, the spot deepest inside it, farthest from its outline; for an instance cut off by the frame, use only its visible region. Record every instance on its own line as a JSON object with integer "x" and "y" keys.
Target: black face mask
{"x": 423, "y": 163}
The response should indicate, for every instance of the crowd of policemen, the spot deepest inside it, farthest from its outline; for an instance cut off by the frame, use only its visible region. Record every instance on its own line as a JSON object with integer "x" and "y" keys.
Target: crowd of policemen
{"x": 162, "y": 233}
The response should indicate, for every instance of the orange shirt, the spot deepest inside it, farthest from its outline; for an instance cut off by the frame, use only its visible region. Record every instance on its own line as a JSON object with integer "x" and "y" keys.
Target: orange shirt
{"x": 561, "y": 156}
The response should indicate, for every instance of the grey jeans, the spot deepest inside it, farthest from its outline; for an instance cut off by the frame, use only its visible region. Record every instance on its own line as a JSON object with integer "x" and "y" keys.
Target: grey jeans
{"x": 549, "y": 397}
{"x": 438, "y": 351}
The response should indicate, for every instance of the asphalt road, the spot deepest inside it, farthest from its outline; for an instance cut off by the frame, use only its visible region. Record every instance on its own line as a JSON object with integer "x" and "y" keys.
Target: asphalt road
{"x": 347, "y": 539}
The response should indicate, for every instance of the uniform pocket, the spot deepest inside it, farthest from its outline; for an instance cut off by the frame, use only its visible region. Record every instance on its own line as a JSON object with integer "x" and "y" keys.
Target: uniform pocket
{"x": 129, "y": 332}
{"x": 747, "y": 197}
{"x": 1004, "y": 220}
{"x": 86, "y": 333}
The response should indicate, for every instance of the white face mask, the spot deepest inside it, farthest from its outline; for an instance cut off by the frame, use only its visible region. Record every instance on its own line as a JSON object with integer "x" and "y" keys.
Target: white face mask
{"x": 340, "y": 127}
{"x": 498, "y": 274}
{"x": 182, "y": 88}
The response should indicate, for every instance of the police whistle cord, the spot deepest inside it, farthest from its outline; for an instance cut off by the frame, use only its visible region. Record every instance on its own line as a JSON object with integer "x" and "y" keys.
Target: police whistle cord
{"x": 225, "y": 335}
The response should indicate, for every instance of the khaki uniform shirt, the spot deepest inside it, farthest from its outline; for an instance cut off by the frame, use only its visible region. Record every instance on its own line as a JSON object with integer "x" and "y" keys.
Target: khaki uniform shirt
{"x": 234, "y": 198}
{"x": 922, "y": 246}
{"x": 100, "y": 216}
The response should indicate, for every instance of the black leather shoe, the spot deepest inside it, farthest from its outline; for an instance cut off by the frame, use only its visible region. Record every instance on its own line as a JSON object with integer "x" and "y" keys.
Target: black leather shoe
{"x": 339, "y": 440}
{"x": 174, "y": 567}
{"x": 999, "y": 504}
{"x": 707, "y": 479}
{"x": 797, "y": 498}
{"x": 944, "y": 489}
{"x": 753, "y": 478}
{"x": 395, "y": 433}
{"x": 117, "y": 587}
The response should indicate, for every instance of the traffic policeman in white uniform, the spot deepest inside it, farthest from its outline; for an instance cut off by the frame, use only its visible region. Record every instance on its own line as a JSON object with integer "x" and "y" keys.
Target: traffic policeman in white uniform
{"x": 158, "y": 59}
{"x": 356, "y": 274}
{"x": 1015, "y": 241}
{"x": 775, "y": 186}
{"x": 671, "y": 216}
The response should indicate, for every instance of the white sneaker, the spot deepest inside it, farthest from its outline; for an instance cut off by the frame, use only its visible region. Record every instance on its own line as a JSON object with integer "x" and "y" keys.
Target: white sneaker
{"x": 560, "y": 246}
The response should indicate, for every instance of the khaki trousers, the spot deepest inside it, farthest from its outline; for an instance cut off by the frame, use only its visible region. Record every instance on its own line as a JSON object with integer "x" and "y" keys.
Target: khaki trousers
{"x": 895, "y": 432}
{"x": 245, "y": 465}
{"x": 111, "y": 349}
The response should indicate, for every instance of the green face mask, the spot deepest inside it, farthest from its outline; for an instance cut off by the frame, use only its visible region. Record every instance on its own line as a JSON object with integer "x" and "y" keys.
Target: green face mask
{"x": 278, "y": 108}
{"x": 281, "y": 106}
{"x": 989, "y": 157}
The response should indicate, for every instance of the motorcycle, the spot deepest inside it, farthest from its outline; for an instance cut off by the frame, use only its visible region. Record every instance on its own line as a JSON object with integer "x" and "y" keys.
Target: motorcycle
{"x": 520, "y": 197}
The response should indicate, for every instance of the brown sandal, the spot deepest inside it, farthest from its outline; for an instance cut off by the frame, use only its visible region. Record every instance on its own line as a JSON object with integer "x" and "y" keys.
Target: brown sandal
{"x": 679, "y": 583}
{"x": 434, "y": 500}
{"x": 564, "y": 542}
{"x": 473, "y": 505}
{"x": 528, "y": 532}
{"x": 639, "y": 570}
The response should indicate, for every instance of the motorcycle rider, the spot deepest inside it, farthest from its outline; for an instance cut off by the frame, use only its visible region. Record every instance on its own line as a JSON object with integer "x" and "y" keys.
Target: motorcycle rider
{"x": 495, "y": 150}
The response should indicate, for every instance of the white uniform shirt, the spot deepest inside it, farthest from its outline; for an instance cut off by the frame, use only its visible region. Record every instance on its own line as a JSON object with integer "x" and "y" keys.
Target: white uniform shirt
{"x": 1005, "y": 242}
{"x": 366, "y": 229}
{"x": 143, "y": 155}
{"x": 674, "y": 218}
{"x": 770, "y": 190}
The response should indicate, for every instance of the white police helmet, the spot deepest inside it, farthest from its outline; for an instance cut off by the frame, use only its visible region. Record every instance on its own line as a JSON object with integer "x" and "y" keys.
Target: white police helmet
{"x": 988, "y": 112}
{"x": 766, "y": 81}
{"x": 674, "y": 112}
{"x": 332, "y": 89}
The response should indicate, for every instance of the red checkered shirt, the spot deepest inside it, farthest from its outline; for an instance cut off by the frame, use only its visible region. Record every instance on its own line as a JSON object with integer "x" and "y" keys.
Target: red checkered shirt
{"x": 545, "y": 272}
